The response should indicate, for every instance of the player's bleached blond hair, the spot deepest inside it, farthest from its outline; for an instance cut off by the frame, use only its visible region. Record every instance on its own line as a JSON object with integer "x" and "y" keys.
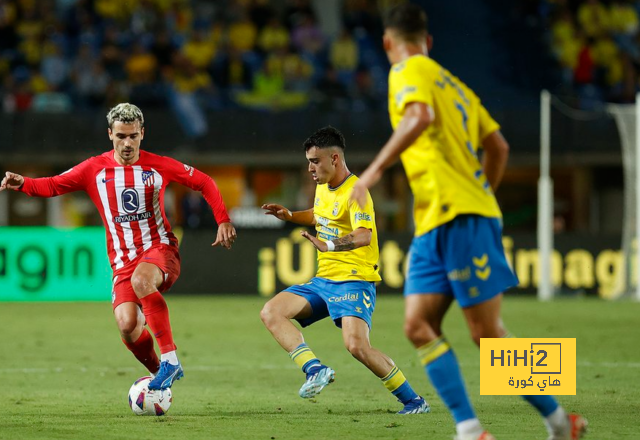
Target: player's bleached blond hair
{"x": 125, "y": 112}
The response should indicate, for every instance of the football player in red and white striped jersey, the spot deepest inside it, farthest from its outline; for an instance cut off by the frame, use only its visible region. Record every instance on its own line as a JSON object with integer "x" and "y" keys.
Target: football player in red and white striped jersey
{"x": 127, "y": 186}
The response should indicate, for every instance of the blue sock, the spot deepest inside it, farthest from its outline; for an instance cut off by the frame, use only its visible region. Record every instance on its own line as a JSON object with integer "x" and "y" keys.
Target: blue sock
{"x": 544, "y": 404}
{"x": 304, "y": 357}
{"x": 399, "y": 385}
{"x": 442, "y": 368}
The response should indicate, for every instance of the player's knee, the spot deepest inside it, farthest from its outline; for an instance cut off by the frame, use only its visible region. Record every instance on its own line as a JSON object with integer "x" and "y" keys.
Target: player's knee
{"x": 420, "y": 332}
{"x": 141, "y": 284}
{"x": 414, "y": 330}
{"x": 269, "y": 314}
{"x": 127, "y": 325}
{"x": 357, "y": 347}
{"x": 479, "y": 332}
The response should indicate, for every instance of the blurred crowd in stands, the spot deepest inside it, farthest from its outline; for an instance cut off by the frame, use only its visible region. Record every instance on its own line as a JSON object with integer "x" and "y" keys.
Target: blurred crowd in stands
{"x": 596, "y": 44}
{"x": 192, "y": 56}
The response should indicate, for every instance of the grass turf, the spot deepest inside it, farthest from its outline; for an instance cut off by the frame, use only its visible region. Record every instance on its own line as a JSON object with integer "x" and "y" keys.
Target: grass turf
{"x": 65, "y": 374}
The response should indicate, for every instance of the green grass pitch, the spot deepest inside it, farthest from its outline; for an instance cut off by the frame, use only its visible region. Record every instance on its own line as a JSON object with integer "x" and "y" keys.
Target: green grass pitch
{"x": 65, "y": 374}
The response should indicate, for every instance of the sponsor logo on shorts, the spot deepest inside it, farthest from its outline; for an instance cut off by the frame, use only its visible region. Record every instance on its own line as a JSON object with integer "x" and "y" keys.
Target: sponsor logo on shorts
{"x": 345, "y": 297}
{"x": 461, "y": 275}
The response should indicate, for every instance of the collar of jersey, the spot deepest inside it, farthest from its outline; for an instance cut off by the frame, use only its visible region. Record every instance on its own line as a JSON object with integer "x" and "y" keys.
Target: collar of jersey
{"x": 346, "y": 178}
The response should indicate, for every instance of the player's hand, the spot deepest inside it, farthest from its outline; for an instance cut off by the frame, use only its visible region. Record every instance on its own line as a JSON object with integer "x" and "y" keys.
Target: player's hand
{"x": 361, "y": 187}
{"x": 320, "y": 245}
{"x": 226, "y": 235}
{"x": 11, "y": 181}
{"x": 359, "y": 194}
{"x": 278, "y": 211}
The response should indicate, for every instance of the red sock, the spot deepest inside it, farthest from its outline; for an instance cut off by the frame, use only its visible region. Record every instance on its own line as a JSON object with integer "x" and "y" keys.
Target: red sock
{"x": 143, "y": 350}
{"x": 156, "y": 313}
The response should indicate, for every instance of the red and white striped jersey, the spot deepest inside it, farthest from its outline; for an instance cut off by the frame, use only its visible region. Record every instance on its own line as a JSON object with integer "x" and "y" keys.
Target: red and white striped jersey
{"x": 130, "y": 198}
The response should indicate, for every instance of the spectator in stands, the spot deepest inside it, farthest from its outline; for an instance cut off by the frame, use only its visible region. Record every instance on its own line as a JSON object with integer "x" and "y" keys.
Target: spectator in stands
{"x": 624, "y": 26}
{"x": 54, "y": 67}
{"x": 199, "y": 49}
{"x": 242, "y": 34}
{"x": 593, "y": 18}
{"x": 185, "y": 84}
{"x": 566, "y": 45}
{"x": 92, "y": 85}
{"x": 344, "y": 56}
{"x": 273, "y": 37}
{"x": 584, "y": 76}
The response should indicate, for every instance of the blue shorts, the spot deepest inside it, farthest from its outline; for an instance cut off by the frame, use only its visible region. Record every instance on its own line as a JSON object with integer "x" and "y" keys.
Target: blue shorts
{"x": 337, "y": 299}
{"x": 463, "y": 258}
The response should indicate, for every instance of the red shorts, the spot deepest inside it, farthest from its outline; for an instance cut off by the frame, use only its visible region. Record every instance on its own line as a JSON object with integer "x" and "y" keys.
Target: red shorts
{"x": 165, "y": 257}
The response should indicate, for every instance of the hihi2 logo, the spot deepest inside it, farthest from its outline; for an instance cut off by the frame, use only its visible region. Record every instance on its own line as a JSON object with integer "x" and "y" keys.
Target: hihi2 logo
{"x": 525, "y": 366}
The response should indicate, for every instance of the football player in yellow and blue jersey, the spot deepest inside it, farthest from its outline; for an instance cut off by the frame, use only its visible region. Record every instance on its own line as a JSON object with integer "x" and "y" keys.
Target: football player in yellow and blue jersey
{"x": 439, "y": 125}
{"x": 344, "y": 286}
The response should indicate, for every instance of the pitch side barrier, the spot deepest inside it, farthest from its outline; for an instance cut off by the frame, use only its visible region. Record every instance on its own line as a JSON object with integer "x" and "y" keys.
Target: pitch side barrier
{"x": 48, "y": 264}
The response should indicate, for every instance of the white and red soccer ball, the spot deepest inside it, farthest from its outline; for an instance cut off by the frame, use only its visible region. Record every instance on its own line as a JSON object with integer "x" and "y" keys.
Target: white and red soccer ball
{"x": 148, "y": 403}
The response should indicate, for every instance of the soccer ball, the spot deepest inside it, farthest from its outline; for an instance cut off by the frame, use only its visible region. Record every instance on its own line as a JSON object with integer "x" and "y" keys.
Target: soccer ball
{"x": 148, "y": 403}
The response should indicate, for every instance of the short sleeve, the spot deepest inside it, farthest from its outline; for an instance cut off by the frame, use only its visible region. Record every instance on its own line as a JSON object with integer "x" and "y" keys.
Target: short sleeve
{"x": 362, "y": 217}
{"x": 486, "y": 123}
{"x": 409, "y": 83}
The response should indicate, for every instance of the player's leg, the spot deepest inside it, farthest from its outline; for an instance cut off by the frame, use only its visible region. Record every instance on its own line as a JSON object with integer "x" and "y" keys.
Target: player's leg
{"x": 478, "y": 290}
{"x": 307, "y": 308}
{"x": 484, "y": 322}
{"x": 355, "y": 333}
{"x": 423, "y": 327}
{"x": 135, "y": 336}
{"x": 428, "y": 295}
{"x": 147, "y": 281}
{"x": 277, "y": 314}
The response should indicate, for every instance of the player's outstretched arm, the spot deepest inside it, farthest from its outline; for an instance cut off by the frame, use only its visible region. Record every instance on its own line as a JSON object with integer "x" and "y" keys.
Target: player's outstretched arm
{"x": 305, "y": 218}
{"x": 416, "y": 119}
{"x": 226, "y": 235}
{"x": 11, "y": 181}
{"x": 494, "y": 160}
{"x": 358, "y": 238}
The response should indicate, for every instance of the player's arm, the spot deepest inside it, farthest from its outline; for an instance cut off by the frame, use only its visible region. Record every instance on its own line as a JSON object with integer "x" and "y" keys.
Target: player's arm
{"x": 305, "y": 218}
{"x": 70, "y": 180}
{"x": 199, "y": 181}
{"x": 495, "y": 157}
{"x": 358, "y": 238}
{"x": 416, "y": 119}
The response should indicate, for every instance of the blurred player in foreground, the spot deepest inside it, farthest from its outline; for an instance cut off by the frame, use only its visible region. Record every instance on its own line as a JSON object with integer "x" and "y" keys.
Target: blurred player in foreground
{"x": 127, "y": 186}
{"x": 344, "y": 286}
{"x": 439, "y": 125}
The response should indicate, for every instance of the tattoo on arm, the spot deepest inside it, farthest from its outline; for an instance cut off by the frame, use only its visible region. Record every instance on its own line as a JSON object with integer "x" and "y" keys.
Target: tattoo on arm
{"x": 345, "y": 243}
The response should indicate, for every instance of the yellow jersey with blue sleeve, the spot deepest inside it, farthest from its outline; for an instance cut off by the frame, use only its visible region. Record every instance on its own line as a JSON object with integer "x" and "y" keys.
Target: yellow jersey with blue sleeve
{"x": 442, "y": 165}
{"x": 337, "y": 216}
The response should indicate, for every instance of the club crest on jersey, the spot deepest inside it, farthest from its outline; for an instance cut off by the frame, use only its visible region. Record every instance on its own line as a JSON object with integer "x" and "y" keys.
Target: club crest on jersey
{"x": 336, "y": 208}
{"x": 148, "y": 178}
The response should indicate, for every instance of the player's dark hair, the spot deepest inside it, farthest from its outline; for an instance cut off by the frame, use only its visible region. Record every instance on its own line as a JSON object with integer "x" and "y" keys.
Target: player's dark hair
{"x": 326, "y": 137}
{"x": 408, "y": 20}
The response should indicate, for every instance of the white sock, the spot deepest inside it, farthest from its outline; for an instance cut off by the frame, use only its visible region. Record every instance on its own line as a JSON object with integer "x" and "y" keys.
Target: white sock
{"x": 170, "y": 357}
{"x": 469, "y": 427}
{"x": 556, "y": 421}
